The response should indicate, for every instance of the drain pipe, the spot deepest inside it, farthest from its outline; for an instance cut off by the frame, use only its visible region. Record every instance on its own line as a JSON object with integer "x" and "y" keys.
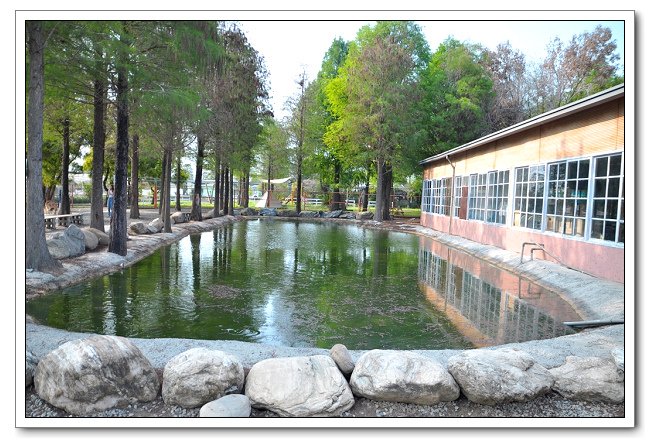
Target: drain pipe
{"x": 453, "y": 192}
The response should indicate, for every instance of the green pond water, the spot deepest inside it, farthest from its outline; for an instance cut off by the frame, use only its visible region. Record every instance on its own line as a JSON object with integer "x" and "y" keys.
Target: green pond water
{"x": 306, "y": 285}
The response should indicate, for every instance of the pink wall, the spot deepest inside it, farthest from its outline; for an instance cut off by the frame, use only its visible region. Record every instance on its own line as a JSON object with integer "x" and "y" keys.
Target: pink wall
{"x": 596, "y": 259}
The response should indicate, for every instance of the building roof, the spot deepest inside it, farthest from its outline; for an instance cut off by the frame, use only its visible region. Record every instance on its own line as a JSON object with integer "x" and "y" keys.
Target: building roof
{"x": 568, "y": 109}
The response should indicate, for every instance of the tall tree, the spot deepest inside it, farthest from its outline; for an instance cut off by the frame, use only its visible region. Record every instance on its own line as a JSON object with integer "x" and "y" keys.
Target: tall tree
{"x": 37, "y": 256}
{"x": 580, "y": 68}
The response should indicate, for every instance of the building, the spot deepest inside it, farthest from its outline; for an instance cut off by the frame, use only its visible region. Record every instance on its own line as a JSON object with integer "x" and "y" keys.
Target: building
{"x": 556, "y": 180}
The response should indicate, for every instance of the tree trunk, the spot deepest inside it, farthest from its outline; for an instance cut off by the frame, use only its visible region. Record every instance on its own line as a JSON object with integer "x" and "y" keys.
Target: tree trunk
{"x": 247, "y": 183}
{"x": 196, "y": 214}
{"x": 99, "y": 141}
{"x": 226, "y": 189}
{"x": 217, "y": 186}
{"x": 118, "y": 231}
{"x": 268, "y": 185}
{"x": 231, "y": 200}
{"x": 335, "y": 204}
{"x": 178, "y": 182}
{"x": 166, "y": 196}
{"x": 135, "y": 191}
{"x": 37, "y": 256}
{"x": 299, "y": 185}
{"x": 387, "y": 186}
{"x": 380, "y": 202}
{"x": 222, "y": 188}
{"x": 163, "y": 182}
{"x": 366, "y": 191}
{"x": 64, "y": 205}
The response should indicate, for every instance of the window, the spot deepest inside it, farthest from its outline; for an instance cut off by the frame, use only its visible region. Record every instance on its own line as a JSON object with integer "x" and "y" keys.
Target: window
{"x": 607, "y": 216}
{"x": 568, "y": 185}
{"x": 497, "y": 196}
{"x": 460, "y": 182}
{"x": 529, "y": 197}
{"x": 441, "y": 196}
{"x": 477, "y": 190}
{"x": 426, "y": 196}
{"x": 488, "y": 196}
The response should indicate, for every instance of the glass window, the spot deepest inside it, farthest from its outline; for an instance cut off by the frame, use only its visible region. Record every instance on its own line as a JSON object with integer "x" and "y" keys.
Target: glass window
{"x": 529, "y": 196}
{"x": 459, "y": 183}
{"x": 566, "y": 208}
{"x": 608, "y": 211}
{"x": 488, "y": 196}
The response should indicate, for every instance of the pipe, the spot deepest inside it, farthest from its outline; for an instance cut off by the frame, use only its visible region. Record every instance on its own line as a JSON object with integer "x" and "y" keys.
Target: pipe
{"x": 594, "y": 323}
{"x": 453, "y": 192}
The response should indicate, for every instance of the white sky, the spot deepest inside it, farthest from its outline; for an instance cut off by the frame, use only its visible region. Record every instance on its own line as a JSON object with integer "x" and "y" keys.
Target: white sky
{"x": 290, "y": 46}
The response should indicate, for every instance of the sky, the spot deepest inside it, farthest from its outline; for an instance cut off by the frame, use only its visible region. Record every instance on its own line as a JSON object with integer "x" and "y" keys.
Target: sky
{"x": 288, "y": 47}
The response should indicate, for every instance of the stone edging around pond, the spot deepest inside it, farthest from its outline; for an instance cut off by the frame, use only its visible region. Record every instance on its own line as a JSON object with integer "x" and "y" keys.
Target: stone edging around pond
{"x": 601, "y": 343}
{"x": 102, "y": 372}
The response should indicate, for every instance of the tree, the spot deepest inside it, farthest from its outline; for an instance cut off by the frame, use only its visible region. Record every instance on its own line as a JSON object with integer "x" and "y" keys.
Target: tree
{"x": 586, "y": 65}
{"x": 457, "y": 95}
{"x": 375, "y": 95}
{"x": 296, "y": 127}
{"x": 37, "y": 255}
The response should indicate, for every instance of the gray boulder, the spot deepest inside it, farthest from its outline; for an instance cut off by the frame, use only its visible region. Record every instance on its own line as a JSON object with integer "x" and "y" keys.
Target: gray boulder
{"x": 230, "y": 406}
{"x": 618, "y": 355}
{"x": 30, "y": 367}
{"x": 343, "y": 359}
{"x": 348, "y": 215}
{"x": 75, "y": 239}
{"x": 199, "y": 375}
{"x": 58, "y": 247}
{"x": 332, "y": 214}
{"x": 102, "y": 237}
{"x": 268, "y": 212}
{"x": 152, "y": 229}
{"x": 178, "y": 217}
{"x": 309, "y": 214}
{"x": 138, "y": 228}
{"x": 157, "y": 224}
{"x": 405, "y": 377}
{"x": 90, "y": 239}
{"x": 288, "y": 213}
{"x": 364, "y": 216}
{"x": 248, "y": 212}
{"x": 499, "y": 376}
{"x": 304, "y": 386}
{"x": 589, "y": 379}
{"x": 94, "y": 374}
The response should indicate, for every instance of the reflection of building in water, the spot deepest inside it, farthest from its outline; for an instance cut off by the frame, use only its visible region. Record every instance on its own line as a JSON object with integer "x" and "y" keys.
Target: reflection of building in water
{"x": 497, "y": 309}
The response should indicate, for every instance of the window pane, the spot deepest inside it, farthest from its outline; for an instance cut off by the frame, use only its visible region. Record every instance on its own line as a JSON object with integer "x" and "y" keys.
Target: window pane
{"x": 582, "y": 208}
{"x": 552, "y": 172}
{"x": 584, "y": 169}
{"x": 611, "y": 209}
{"x": 615, "y": 165}
{"x": 599, "y": 209}
{"x": 601, "y": 188}
{"x": 597, "y": 229}
{"x": 550, "y": 207}
{"x": 601, "y": 167}
{"x": 583, "y": 186}
{"x": 561, "y": 171}
{"x": 580, "y": 227}
{"x": 612, "y": 188}
{"x": 621, "y": 233}
{"x": 573, "y": 170}
{"x": 610, "y": 231}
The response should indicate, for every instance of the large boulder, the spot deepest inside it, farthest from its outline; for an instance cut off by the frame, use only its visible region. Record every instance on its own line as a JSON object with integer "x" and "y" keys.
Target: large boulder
{"x": 138, "y": 228}
{"x": 248, "y": 212}
{"x": 268, "y": 212}
{"x": 499, "y": 376}
{"x": 199, "y": 375}
{"x": 178, "y": 217}
{"x": 405, "y": 377}
{"x": 341, "y": 356}
{"x": 102, "y": 237}
{"x": 348, "y": 215}
{"x": 288, "y": 213}
{"x": 332, "y": 214}
{"x": 309, "y": 214}
{"x": 94, "y": 374}
{"x": 156, "y": 225}
{"x": 589, "y": 379}
{"x": 91, "y": 240}
{"x": 58, "y": 247}
{"x": 364, "y": 216}
{"x": 31, "y": 362}
{"x": 304, "y": 386}
{"x": 230, "y": 406}
{"x": 75, "y": 239}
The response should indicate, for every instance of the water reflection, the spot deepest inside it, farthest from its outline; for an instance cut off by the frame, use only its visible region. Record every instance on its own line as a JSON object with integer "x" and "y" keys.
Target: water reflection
{"x": 308, "y": 284}
{"x": 489, "y": 306}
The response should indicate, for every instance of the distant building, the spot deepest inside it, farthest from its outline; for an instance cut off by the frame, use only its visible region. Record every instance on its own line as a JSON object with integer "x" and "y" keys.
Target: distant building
{"x": 556, "y": 179}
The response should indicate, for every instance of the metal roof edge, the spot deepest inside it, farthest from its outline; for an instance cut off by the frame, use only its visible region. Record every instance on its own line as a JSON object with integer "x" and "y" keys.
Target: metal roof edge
{"x": 567, "y": 109}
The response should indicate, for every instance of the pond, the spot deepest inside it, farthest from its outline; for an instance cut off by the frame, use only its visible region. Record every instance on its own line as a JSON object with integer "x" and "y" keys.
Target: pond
{"x": 310, "y": 284}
